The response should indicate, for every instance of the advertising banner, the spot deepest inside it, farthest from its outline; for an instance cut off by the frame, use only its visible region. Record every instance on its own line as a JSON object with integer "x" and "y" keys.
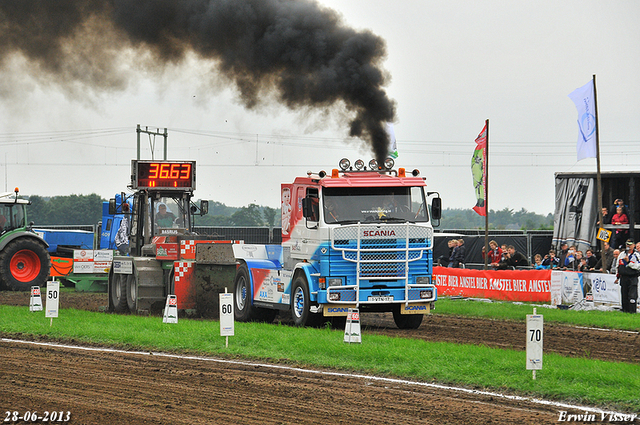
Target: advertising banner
{"x": 506, "y": 285}
{"x": 604, "y": 288}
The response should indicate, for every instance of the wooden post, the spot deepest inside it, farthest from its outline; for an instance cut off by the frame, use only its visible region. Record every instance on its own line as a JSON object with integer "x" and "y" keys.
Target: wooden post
{"x": 598, "y": 176}
{"x": 486, "y": 199}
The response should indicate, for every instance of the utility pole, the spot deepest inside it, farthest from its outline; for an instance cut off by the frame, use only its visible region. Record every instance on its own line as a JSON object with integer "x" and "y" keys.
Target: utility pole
{"x": 146, "y": 130}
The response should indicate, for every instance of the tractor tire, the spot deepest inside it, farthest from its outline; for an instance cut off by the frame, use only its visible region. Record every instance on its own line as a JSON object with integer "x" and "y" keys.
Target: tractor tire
{"x": 118, "y": 292}
{"x": 24, "y": 263}
{"x": 132, "y": 292}
{"x": 301, "y": 305}
{"x": 406, "y": 321}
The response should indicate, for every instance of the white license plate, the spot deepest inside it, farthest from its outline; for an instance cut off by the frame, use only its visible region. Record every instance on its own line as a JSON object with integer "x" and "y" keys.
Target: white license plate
{"x": 381, "y": 299}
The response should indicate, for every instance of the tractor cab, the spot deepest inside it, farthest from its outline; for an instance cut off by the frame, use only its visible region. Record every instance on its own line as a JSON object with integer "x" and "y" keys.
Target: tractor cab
{"x": 12, "y": 214}
{"x": 161, "y": 205}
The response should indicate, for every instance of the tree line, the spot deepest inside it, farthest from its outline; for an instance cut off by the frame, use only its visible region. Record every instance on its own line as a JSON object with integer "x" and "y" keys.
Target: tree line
{"x": 78, "y": 210}
{"x": 74, "y": 210}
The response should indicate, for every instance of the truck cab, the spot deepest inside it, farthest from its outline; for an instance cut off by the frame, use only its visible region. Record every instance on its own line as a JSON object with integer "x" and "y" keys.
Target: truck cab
{"x": 352, "y": 239}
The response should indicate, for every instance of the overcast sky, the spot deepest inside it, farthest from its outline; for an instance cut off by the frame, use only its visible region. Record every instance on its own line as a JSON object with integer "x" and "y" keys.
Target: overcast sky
{"x": 452, "y": 65}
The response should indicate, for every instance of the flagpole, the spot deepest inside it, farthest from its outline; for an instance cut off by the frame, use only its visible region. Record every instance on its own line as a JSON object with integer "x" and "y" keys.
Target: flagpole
{"x": 598, "y": 176}
{"x": 486, "y": 199}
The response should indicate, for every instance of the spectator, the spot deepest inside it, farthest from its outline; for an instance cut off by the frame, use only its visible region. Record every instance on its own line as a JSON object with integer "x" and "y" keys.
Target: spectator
{"x": 514, "y": 260}
{"x": 606, "y": 259}
{"x": 628, "y": 270}
{"x": 504, "y": 252}
{"x": 443, "y": 260}
{"x": 577, "y": 264}
{"x": 620, "y": 234}
{"x": 582, "y": 264}
{"x": 495, "y": 254}
{"x": 570, "y": 259}
{"x": 453, "y": 252}
{"x": 614, "y": 263}
{"x": 458, "y": 256}
{"x": 606, "y": 218}
{"x": 550, "y": 260}
{"x": 564, "y": 250}
{"x": 591, "y": 259}
{"x": 619, "y": 203}
{"x": 538, "y": 263}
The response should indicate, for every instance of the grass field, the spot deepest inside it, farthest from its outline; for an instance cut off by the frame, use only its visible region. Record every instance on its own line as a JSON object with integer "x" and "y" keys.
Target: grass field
{"x": 511, "y": 311}
{"x": 578, "y": 380}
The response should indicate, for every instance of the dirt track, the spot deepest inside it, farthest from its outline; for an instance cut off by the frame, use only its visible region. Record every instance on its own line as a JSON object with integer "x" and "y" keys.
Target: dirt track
{"x": 103, "y": 387}
{"x": 563, "y": 339}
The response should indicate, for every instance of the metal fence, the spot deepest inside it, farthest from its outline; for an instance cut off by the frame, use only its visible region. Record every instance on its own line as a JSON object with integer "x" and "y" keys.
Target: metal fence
{"x": 528, "y": 242}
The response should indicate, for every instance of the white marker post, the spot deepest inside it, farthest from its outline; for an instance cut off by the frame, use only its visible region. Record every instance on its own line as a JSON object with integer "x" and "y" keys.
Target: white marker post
{"x": 534, "y": 342}
{"x": 53, "y": 300}
{"x": 170, "y": 310}
{"x": 352, "y": 327}
{"x": 35, "y": 304}
{"x": 226, "y": 316}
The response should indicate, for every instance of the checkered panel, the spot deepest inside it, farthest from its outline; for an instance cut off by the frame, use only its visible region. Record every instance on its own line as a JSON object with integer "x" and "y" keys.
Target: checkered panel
{"x": 183, "y": 270}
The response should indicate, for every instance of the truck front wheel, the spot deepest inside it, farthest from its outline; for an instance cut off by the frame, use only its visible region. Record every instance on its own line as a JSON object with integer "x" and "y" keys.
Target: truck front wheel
{"x": 301, "y": 305}
{"x": 24, "y": 263}
{"x": 406, "y": 321}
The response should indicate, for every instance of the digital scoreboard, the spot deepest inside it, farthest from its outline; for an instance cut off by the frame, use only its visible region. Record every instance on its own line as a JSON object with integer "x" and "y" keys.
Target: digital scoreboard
{"x": 167, "y": 175}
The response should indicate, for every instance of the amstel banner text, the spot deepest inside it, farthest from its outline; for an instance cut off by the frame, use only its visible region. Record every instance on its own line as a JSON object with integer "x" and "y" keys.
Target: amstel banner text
{"x": 507, "y": 285}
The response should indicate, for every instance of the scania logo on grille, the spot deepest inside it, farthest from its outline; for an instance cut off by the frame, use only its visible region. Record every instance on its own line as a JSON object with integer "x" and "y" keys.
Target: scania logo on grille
{"x": 379, "y": 233}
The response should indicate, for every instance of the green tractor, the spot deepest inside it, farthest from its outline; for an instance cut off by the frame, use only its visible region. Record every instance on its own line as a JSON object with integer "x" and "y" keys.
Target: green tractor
{"x": 24, "y": 259}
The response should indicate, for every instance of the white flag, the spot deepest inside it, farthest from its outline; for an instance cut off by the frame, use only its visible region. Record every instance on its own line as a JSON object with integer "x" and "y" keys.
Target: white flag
{"x": 583, "y": 98}
{"x": 393, "y": 146}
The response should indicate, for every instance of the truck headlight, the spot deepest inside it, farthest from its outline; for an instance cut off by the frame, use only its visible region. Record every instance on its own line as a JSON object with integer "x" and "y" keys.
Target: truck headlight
{"x": 423, "y": 280}
{"x": 426, "y": 294}
{"x": 334, "y": 296}
{"x": 335, "y": 281}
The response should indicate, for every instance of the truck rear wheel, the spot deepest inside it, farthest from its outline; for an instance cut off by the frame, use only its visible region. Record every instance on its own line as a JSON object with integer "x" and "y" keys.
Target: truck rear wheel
{"x": 118, "y": 292}
{"x": 244, "y": 310}
{"x": 301, "y": 305}
{"x": 406, "y": 321}
{"x": 24, "y": 263}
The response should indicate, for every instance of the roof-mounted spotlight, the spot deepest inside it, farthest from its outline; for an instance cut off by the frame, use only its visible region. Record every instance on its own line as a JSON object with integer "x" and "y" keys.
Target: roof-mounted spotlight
{"x": 359, "y": 164}
{"x": 322, "y": 174}
{"x": 389, "y": 163}
{"x": 415, "y": 173}
{"x": 373, "y": 164}
{"x": 344, "y": 164}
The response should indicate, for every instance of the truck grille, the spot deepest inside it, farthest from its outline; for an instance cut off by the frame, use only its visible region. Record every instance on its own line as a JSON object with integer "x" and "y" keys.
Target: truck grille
{"x": 382, "y": 258}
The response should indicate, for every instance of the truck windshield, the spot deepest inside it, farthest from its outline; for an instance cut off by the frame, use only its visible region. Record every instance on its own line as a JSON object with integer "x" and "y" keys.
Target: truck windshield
{"x": 380, "y": 204}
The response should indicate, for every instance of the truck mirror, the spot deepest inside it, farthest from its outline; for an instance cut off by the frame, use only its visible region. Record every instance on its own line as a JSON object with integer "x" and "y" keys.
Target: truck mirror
{"x": 204, "y": 207}
{"x": 436, "y": 208}
{"x": 310, "y": 208}
{"x": 112, "y": 206}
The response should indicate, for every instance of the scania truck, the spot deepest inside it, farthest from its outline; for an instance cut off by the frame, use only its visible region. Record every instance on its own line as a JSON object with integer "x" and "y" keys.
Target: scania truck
{"x": 359, "y": 237}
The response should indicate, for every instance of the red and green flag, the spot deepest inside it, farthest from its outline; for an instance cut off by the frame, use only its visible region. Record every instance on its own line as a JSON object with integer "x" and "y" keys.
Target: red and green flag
{"x": 479, "y": 172}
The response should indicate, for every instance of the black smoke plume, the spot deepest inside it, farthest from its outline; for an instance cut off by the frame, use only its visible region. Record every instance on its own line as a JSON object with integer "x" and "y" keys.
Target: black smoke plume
{"x": 295, "y": 50}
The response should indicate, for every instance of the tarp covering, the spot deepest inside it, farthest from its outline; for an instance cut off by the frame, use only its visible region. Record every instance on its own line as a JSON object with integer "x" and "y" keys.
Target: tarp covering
{"x": 576, "y": 213}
